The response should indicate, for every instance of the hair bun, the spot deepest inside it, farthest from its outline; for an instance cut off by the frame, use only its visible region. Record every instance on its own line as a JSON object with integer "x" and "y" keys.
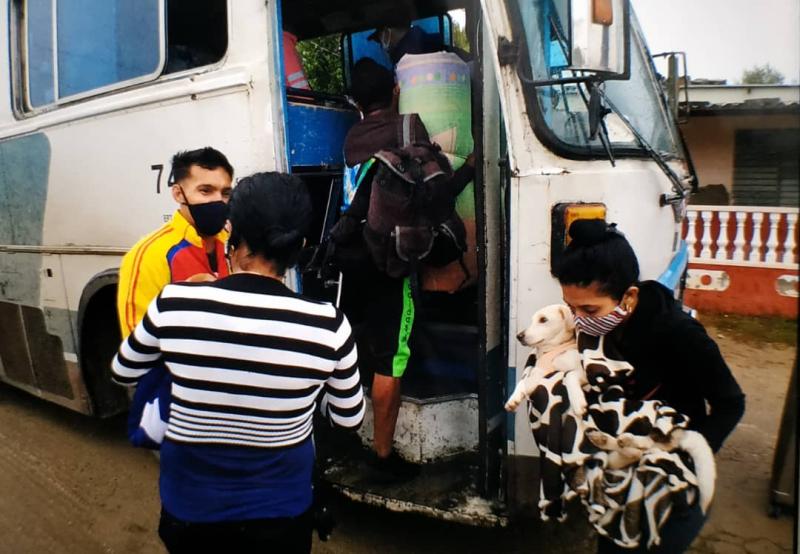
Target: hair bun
{"x": 588, "y": 232}
{"x": 285, "y": 238}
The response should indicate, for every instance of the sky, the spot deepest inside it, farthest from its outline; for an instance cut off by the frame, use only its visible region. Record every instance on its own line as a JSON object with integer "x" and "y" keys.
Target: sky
{"x": 721, "y": 38}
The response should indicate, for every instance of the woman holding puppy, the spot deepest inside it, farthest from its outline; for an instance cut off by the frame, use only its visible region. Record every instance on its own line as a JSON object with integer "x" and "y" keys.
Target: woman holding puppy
{"x": 675, "y": 360}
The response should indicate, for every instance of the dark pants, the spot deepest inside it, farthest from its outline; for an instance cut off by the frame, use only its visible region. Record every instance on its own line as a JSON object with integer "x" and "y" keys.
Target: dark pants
{"x": 676, "y": 536}
{"x": 290, "y": 535}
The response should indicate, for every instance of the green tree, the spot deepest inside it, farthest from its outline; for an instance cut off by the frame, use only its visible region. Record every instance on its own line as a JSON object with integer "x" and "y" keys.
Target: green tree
{"x": 762, "y": 75}
{"x": 460, "y": 39}
{"x": 322, "y": 62}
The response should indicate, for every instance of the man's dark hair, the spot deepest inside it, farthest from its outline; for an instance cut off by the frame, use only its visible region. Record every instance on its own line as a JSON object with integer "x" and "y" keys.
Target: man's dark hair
{"x": 598, "y": 254}
{"x": 207, "y": 158}
{"x": 372, "y": 85}
{"x": 270, "y": 213}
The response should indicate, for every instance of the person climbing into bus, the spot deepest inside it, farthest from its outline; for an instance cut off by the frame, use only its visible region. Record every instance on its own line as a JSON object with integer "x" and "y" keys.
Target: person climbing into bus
{"x": 404, "y": 38}
{"x": 189, "y": 247}
{"x": 382, "y": 306}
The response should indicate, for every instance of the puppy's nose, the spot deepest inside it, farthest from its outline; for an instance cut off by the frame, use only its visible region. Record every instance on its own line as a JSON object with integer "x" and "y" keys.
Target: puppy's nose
{"x": 520, "y": 335}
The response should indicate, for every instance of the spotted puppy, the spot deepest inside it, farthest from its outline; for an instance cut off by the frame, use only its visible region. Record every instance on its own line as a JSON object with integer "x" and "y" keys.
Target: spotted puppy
{"x": 628, "y": 449}
{"x": 629, "y": 429}
{"x": 552, "y": 335}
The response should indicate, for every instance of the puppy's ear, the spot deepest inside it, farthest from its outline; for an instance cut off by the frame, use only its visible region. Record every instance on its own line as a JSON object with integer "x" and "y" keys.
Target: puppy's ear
{"x": 566, "y": 313}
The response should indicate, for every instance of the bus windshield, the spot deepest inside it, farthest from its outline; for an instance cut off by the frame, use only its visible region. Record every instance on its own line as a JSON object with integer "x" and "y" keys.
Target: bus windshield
{"x": 560, "y": 110}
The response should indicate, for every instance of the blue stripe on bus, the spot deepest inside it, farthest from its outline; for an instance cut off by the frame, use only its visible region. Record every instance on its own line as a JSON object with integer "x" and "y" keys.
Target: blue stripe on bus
{"x": 278, "y": 57}
{"x": 511, "y": 379}
{"x": 671, "y": 278}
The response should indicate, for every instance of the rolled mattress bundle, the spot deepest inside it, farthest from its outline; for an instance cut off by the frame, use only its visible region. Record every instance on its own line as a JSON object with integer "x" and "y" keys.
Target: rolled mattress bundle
{"x": 437, "y": 87}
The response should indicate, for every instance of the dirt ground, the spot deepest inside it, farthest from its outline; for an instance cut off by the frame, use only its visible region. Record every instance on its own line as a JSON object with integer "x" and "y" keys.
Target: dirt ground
{"x": 71, "y": 484}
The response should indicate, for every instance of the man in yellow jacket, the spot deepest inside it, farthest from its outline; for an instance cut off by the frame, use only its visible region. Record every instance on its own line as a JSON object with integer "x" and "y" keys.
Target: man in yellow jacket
{"x": 189, "y": 247}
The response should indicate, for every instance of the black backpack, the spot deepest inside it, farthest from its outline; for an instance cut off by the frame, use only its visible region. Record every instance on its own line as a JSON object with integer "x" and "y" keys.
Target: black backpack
{"x": 411, "y": 217}
{"x": 405, "y": 211}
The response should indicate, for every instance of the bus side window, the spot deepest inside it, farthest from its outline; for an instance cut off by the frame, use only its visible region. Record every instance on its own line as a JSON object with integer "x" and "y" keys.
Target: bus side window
{"x": 100, "y": 43}
{"x": 197, "y": 33}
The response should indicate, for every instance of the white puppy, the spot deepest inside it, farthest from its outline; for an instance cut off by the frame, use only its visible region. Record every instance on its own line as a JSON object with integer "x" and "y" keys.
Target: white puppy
{"x": 552, "y": 334}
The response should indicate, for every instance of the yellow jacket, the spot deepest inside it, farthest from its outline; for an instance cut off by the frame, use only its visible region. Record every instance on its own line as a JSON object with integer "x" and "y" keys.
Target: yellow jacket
{"x": 170, "y": 254}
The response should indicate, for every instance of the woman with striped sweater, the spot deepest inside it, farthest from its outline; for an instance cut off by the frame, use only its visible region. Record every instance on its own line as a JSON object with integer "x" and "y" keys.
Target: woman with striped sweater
{"x": 250, "y": 360}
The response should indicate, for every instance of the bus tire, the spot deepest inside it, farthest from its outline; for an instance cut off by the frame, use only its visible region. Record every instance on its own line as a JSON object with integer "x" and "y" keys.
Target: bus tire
{"x": 99, "y": 339}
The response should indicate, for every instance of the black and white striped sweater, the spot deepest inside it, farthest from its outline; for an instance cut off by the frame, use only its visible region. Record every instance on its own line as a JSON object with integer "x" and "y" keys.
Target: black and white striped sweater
{"x": 248, "y": 359}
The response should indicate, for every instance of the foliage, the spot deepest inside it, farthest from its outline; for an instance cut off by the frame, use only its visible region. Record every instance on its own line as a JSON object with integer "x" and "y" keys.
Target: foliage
{"x": 322, "y": 59}
{"x": 460, "y": 39}
{"x": 762, "y": 75}
{"x": 322, "y": 62}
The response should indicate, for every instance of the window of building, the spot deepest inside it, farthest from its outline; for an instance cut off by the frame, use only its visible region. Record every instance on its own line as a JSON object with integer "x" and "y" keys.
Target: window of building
{"x": 766, "y": 168}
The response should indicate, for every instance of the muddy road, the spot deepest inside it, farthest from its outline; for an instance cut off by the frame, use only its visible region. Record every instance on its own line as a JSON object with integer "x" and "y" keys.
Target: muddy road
{"x": 71, "y": 484}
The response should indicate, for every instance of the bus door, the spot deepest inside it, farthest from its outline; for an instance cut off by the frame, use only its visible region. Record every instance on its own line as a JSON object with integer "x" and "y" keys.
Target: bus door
{"x": 451, "y": 419}
{"x": 493, "y": 262}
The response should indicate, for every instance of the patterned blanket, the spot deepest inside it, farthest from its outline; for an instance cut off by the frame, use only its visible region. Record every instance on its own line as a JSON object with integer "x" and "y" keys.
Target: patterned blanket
{"x": 629, "y": 504}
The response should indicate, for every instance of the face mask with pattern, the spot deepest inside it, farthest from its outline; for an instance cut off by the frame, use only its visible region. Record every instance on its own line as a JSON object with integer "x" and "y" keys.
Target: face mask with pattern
{"x": 603, "y": 325}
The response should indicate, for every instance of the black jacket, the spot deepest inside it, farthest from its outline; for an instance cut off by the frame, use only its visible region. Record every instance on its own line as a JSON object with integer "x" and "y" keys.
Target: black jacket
{"x": 677, "y": 362}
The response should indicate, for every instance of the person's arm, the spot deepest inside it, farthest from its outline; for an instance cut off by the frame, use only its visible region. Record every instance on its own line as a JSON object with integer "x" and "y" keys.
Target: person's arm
{"x": 141, "y": 351}
{"x": 707, "y": 370}
{"x": 342, "y": 395}
{"x": 141, "y": 278}
{"x": 462, "y": 176}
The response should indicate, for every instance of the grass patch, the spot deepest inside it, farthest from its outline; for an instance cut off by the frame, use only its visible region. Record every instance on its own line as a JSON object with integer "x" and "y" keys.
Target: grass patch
{"x": 753, "y": 329}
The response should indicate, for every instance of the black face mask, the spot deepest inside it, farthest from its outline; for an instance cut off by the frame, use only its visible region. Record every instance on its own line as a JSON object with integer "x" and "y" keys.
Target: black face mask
{"x": 209, "y": 218}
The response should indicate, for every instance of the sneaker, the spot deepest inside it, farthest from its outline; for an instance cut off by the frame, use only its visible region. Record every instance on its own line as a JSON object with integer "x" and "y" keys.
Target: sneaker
{"x": 391, "y": 469}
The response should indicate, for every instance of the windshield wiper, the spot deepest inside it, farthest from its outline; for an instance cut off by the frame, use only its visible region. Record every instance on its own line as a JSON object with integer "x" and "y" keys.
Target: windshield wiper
{"x": 597, "y": 113}
{"x": 677, "y": 182}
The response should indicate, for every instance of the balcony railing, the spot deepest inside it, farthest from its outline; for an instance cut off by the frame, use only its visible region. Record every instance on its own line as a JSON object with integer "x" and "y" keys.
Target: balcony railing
{"x": 742, "y": 235}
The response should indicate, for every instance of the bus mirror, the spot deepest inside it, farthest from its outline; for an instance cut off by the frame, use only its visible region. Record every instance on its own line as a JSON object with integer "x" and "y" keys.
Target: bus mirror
{"x": 602, "y": 12}
{"x": 600, "y": 37}
{"x": 674, "y": 82}
{"x": 673, "y": 85}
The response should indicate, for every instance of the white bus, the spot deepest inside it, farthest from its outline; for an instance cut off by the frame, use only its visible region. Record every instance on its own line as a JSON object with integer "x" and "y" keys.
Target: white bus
{"x": 569, "y": 120}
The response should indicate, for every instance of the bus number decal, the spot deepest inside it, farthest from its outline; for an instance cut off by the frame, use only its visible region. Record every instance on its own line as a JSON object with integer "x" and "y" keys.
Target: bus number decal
{"x": 160, "y": 169}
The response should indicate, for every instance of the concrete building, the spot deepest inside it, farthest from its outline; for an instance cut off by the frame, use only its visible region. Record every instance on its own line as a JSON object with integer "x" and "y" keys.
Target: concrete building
{"x": 745, "y": 138}
{"x": 741, "y": 228}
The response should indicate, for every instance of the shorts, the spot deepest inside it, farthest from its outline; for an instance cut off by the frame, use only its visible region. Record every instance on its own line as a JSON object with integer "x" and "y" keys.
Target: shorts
{"x": 382, "y": 311}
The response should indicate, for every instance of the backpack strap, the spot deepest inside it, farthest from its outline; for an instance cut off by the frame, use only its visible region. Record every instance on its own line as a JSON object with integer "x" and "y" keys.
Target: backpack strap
{"x": 400, "y": 162}
{"x": 363, "y": 170}
{"x": 406, "y": 130}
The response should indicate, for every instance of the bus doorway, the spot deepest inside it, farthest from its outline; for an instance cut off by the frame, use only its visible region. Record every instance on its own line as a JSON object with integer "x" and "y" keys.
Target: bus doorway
{"x": 451, "y": 420}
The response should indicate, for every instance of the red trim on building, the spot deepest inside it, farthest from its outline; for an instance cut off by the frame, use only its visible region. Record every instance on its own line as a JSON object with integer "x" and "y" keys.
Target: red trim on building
{"x": 751, "y": 291}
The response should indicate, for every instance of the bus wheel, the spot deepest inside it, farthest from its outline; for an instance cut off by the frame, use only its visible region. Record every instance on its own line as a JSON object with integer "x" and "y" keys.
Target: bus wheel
{"x": 100, "y": 339}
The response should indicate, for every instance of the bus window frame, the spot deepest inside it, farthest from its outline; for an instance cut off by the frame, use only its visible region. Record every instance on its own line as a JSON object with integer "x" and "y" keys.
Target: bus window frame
{"x": 18, "y": 54}
{"x": 23, "y": 108}
{"x": 550, "y": 138}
